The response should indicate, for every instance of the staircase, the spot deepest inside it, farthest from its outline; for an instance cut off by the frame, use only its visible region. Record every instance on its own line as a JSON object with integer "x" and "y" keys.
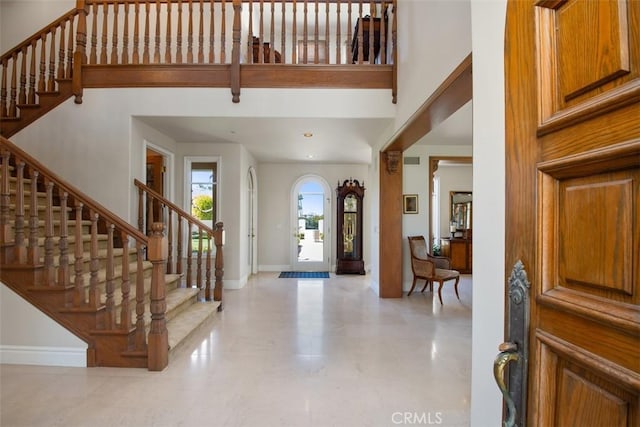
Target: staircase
{"x": 90, "y": 271}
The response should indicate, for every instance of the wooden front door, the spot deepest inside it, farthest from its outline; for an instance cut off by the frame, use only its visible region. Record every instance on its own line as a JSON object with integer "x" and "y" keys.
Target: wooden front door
{"x": 572, "y": 72}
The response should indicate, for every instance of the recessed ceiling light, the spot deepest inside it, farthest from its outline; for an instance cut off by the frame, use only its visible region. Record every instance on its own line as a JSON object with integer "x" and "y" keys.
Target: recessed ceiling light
{"x": 310, "y": 156}
{"x": 307, "y": 134}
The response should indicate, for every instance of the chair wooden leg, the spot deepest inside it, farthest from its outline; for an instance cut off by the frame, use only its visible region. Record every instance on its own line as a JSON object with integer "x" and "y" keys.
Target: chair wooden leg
{"x": 440, "y": 291}
{"x": 429, "y": 284}
{"x": 413, "y": 285}
{"x": 456, "y": 286}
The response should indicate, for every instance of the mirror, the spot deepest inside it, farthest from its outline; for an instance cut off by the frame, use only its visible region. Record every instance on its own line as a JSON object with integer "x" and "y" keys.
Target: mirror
{"x": 460, "y": 214}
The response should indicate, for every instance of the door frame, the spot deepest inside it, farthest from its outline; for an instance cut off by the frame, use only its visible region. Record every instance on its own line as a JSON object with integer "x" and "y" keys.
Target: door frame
{"x": 325, "y": 265}
{"x": 169, "y": 164}
{"x": 252, "y": 219}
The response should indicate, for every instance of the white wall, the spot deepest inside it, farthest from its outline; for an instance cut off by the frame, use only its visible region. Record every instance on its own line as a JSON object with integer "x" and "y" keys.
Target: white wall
{"x": 35, "y": 339}
{"x": 40, "y": 13}
{"x": 276, "y": 181}
{"x": 434, "y": 36}
{"x": 488, "y": 22}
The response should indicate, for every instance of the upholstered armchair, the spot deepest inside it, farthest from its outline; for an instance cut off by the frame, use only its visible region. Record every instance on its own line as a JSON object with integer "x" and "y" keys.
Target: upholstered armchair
{"x": 430, "y": 268}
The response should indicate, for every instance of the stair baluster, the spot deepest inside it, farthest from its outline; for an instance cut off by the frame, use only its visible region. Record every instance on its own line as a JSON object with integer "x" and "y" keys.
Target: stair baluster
{"x": 104, "y": 37}
{"x": 49, "y": 278}
{"x": 69, "y": 67}
{"x": 114, "y": 36}
{"x": 199, "y": 283}
{"x": 94, "y": 264}
{"x": 51, "y": 81}
{"x": 33, "y": 256}
{"x": 42, "y": 80}
{"x": 13, "y": 110}
{"x": 170, "y": 241}
{"x": 20, "y": 249}
{"x": 22, "y": 93}
{"x": 5, "y": 196}
{"x": 61, "y": 51}
{"x": 189, "y": 253}
{"x": 180, "y": 240}
{"x": 207, "y": 286}
{"x": 125, "y": 310}
{"x": 93, "y": 54}
{"x": 79, "y": 296}
{"x": 190, "y": 34}
{"x": 167, "y": 55}
{"x": 125, "y": 36}
{"x": 147, "y": 40}
{"x": 110, "y": 306}
{"x": 140, "y": 336}
{"x": 135, "y": 59}
{"x": 64, "y": 273}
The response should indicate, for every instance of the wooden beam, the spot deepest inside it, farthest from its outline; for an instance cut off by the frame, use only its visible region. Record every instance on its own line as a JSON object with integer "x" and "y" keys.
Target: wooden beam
{"x": 452, "y": 94}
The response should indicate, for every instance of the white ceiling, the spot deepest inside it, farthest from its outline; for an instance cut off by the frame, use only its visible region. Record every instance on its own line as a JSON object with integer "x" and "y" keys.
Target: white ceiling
{"x": 275, "y": 140}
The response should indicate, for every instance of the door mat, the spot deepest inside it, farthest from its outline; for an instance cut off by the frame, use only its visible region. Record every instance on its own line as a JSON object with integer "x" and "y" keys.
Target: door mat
{"x": 304, "y": 275}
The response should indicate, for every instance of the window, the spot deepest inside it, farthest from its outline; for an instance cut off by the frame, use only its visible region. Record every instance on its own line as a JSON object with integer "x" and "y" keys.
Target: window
{"x": 204, "y": 192}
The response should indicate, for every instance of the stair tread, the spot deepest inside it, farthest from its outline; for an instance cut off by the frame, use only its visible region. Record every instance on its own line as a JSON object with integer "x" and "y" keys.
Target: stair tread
{"x": 183, "y": 325}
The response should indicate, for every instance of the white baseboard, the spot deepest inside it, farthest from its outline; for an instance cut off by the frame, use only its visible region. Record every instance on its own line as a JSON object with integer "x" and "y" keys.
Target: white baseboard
{"x": 235, "y": 284}
{"x": 45, "y": 356}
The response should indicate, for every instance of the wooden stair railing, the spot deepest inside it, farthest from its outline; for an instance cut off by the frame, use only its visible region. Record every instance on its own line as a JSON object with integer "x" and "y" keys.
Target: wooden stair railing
{"x": 181, "y": 226}
{"x": 198, "y": 43}
{"x": 37, "y": 74}
{"x": 59, "y": 250}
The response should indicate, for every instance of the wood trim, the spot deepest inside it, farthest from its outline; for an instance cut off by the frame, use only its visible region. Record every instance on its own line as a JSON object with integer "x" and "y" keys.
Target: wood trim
{"x": 452, "y": 94}
{"x": 251, "y": 76}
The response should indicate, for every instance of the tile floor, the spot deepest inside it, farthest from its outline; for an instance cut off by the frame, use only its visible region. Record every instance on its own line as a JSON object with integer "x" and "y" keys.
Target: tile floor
{"x": 285, "y": 352}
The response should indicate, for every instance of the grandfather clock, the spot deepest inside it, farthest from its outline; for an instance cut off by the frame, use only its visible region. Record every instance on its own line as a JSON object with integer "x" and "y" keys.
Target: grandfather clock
{"x": 349, "y": 248}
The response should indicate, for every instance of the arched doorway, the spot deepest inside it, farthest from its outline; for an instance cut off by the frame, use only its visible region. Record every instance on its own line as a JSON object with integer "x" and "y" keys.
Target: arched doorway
{"x": 251, "y": 221}
{"x": 310, "y": 224}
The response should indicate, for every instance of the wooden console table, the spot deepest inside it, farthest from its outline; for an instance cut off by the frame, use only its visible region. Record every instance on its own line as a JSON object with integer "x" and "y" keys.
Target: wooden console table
{"x": 459, "y": 250}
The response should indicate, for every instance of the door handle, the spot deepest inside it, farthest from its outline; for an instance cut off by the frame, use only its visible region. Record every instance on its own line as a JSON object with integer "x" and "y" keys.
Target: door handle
{"x": 508, "y": 353}
{"x": 515, "y": 349}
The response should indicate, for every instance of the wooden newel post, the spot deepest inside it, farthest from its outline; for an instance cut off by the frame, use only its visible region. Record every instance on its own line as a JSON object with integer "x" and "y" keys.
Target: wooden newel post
{"x": 158, "y": 347}
{"x": 217, "y": 290}
{"x": 80, "y": 54}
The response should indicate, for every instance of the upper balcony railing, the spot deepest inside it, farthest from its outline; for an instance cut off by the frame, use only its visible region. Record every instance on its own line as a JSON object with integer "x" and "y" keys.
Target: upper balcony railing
{"x": 206, "y": 43}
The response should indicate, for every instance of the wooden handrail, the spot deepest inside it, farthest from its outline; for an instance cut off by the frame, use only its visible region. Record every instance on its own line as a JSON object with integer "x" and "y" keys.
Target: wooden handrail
{"x": 175, "y": 237}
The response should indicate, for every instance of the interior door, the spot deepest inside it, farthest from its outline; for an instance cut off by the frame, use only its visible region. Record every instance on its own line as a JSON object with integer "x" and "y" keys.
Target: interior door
{"x": 155, "y": 177}
{"x": 573, "y": 205}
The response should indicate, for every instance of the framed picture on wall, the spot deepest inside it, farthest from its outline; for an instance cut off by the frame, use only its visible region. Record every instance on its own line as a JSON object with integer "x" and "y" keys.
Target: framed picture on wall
{"x": 410, "y": 203}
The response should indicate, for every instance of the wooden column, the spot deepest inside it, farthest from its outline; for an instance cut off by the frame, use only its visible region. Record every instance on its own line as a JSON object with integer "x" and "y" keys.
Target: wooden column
{"x": 390, "y": 261}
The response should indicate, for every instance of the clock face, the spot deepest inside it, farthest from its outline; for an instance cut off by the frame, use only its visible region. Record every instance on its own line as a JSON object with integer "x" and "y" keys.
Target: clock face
{"x": 350, "y": 203}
